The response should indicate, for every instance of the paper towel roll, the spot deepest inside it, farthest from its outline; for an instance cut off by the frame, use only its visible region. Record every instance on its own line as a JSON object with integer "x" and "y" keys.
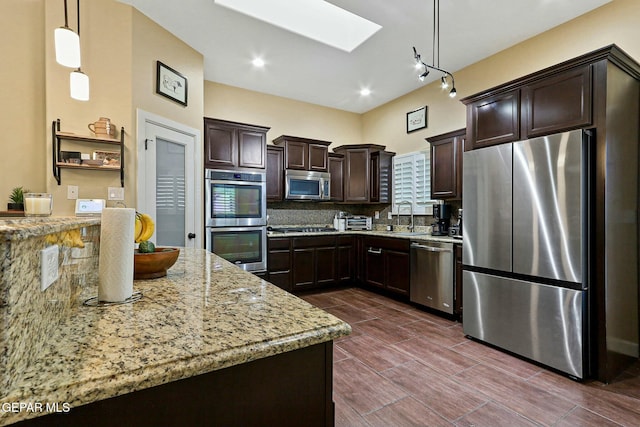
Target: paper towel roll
{"x": 117, "y": 245}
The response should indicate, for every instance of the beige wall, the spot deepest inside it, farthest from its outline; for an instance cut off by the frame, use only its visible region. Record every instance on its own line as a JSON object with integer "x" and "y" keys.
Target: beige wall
{"x": 119, "y": 49}
{"x": 616, "y": 22}
{"x": 120, "y": 46}
{"x": 153, "y": 43}
{"x": 106, "y": 41}
{"x": 284, "y": 116}
{"x": 22, "y": 109}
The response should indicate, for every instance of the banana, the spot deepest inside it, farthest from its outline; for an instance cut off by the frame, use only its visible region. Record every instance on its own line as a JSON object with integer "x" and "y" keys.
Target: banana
{"x": 147, "y": 227}
{"x": 139, "y": 227}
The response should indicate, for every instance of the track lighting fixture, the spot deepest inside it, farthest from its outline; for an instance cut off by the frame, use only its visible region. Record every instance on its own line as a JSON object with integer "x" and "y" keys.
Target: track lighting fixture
{"x": 435, "y": 65}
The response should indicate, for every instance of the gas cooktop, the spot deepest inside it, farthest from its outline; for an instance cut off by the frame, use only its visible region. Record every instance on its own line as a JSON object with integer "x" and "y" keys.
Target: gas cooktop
{"x": 301, "y": 229}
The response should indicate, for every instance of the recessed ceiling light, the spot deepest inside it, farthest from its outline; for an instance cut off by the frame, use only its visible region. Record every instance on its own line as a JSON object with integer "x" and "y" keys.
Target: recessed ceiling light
{"x": 365, "y": 92}
{"x": 258, "y": 62}
{"x": 314, "y": 19}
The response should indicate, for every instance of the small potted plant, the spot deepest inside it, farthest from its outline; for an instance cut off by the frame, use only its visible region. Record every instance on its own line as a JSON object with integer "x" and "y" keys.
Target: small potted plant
{"x": 16, "y": 199}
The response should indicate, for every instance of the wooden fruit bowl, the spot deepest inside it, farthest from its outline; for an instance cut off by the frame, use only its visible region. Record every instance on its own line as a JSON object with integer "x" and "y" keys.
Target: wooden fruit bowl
{"x": 155, "y": 264}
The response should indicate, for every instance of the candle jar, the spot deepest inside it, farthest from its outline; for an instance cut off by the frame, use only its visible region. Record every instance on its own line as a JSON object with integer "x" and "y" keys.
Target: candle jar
{"x": 38, "y": 204}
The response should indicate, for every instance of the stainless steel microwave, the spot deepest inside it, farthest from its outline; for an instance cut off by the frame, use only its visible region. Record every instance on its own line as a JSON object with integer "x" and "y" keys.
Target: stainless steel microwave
{"x": 307, "y": 185}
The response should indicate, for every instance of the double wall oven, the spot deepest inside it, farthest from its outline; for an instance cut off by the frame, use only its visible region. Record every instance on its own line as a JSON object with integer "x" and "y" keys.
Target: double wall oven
{"x": 236, "y": 217}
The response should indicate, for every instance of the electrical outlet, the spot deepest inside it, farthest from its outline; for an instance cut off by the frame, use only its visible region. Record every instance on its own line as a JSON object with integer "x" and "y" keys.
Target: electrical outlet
{"x": 377, "y": 214}
{"x": 115, "y": 193}
{"x": 72, "y": 192}
{"x": 48, "y": 266}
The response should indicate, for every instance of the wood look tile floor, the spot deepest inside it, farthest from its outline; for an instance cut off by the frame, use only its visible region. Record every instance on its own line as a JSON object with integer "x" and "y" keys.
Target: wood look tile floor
{"x": 403, "y": 366}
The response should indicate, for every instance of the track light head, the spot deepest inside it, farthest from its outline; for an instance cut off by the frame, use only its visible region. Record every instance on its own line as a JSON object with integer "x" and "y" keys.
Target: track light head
{"x": 445, "y": 83}
{"x": 453, "y": 92}
{"x": 423, "y": 75}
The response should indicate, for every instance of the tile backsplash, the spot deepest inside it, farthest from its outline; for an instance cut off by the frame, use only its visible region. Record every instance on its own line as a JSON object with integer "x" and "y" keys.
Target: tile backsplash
{"x": 312, "y": 213}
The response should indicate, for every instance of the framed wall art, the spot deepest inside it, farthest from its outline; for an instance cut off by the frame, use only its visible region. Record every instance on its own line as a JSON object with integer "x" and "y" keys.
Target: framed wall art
{"x": 171, "y": 84}
{"x": 417, "y": 119}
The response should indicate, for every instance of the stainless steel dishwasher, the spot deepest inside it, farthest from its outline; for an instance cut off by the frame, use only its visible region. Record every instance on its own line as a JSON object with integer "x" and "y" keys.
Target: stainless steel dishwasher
{"x": 432, "y": 275}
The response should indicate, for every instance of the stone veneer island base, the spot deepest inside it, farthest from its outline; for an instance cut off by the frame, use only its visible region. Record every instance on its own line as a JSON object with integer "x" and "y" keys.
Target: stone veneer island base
{"x": 207, "y": 345}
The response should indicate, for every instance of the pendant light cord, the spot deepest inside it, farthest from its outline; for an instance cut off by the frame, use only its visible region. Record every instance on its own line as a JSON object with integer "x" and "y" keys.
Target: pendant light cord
{"x": 78, "y": 10}
{"x": 66, "y": 19}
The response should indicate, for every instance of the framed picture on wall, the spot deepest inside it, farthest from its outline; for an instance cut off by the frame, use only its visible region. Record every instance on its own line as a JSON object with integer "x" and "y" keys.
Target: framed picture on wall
{"x": 171, "y": 84}
{"x": 417, "y": 119}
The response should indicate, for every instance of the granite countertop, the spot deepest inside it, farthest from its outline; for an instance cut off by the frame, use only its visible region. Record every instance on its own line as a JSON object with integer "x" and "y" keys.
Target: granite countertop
{"x": 207, "y": 314}
{"x": 22, "y": 228}
{"x": 402, "y": 234}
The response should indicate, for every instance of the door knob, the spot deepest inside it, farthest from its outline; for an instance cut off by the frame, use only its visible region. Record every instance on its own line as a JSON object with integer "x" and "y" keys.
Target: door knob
{"x": 191, "y": 235}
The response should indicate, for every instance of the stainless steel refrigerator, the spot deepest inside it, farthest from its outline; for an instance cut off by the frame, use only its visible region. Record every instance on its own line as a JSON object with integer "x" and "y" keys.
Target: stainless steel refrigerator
{"x": 526, "y": 246}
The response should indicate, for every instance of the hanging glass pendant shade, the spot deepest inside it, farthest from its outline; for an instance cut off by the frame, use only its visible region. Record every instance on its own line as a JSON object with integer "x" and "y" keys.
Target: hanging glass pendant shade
{"x": 67, "y": 44}
{"x": 79, "y": 85}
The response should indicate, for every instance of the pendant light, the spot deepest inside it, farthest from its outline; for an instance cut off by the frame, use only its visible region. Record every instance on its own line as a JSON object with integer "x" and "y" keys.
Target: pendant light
{"x": 79, "y": 81}
{"x": 436, "y": 48}
{"x": 67, "y": 44}
{"x": 79, "y": 85}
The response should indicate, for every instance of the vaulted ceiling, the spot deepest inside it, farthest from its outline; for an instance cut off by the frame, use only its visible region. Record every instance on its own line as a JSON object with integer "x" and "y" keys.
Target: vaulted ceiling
{"x": 303, "y": 69}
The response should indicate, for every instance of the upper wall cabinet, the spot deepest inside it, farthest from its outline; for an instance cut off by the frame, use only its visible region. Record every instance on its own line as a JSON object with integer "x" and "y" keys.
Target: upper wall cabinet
{"x": 303, "y": 153}
{"x": 553, "y": 100}
{"x": 446, "y": 165}
{"x": 367, "y": 173}
{"x": 336, "y": 169}
{"x": 231, "y": 145}
{"x": 494, "y": 119}
{"x": 558, "y": 103}
{"x": 275, "y": 175}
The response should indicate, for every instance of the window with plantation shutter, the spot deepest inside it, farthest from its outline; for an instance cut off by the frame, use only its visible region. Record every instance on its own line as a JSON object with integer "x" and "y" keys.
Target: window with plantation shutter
{"x": 412, "y": 183}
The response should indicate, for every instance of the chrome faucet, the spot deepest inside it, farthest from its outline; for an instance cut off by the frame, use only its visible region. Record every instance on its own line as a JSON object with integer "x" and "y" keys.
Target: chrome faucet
{"x": 405, "y": 202}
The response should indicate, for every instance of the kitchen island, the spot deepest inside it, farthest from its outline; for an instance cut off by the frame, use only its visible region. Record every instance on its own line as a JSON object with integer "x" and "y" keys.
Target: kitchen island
{"x": 208, "y": 344}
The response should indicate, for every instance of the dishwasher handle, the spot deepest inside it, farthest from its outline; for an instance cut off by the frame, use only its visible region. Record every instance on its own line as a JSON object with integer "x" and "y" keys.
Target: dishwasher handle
{"x": 429, "y": 248}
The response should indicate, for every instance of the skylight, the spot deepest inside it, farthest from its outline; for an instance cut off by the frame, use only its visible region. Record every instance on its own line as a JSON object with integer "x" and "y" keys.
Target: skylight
{"x": 314, "y": 19}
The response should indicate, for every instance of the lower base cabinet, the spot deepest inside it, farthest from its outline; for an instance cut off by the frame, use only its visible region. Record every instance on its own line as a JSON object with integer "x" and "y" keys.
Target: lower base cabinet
{"x": 288, "y": 389}
{"x": 314, "y": 262}
{"x": 386, "y": 264}
{"x": 279, "y": 262}
{"x": 303, "y": 263}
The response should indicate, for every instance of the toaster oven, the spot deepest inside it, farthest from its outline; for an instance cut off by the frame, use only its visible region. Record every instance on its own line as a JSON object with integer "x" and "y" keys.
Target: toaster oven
{"x": 358, "y": 223}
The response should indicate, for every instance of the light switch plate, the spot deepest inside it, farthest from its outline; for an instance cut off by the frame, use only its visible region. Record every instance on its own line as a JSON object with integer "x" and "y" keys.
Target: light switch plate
{"x": 72, "y": 192}
{"x": 115, "y": 193}
{"x": 48, "y": 266}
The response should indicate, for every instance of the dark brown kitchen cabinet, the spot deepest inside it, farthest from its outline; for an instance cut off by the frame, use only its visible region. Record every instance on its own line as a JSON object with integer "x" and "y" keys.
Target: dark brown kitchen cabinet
{"x": 446, "y": 165}
{"x": 380, "y": 165}
{"x": 279, "y": 262}
{"x": 336, "y": 169}
{"x": 457, "y": 297}
{"x": 232, "y": 145}
{"x": 313, "y": 262}
{"x": 558, "y": 103}
{"x": 367, "y": 173}
{"x": 494, "y": 119}
{"x": 275, "y": 174}
{"x": 303, "y": 153}
{"x": 386, "y": 264}
{"x": 346, "y": 259}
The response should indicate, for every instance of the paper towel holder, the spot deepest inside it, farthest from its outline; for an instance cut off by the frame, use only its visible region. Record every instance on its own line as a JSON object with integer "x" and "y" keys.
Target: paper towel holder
{"x": 94, "y": 302}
